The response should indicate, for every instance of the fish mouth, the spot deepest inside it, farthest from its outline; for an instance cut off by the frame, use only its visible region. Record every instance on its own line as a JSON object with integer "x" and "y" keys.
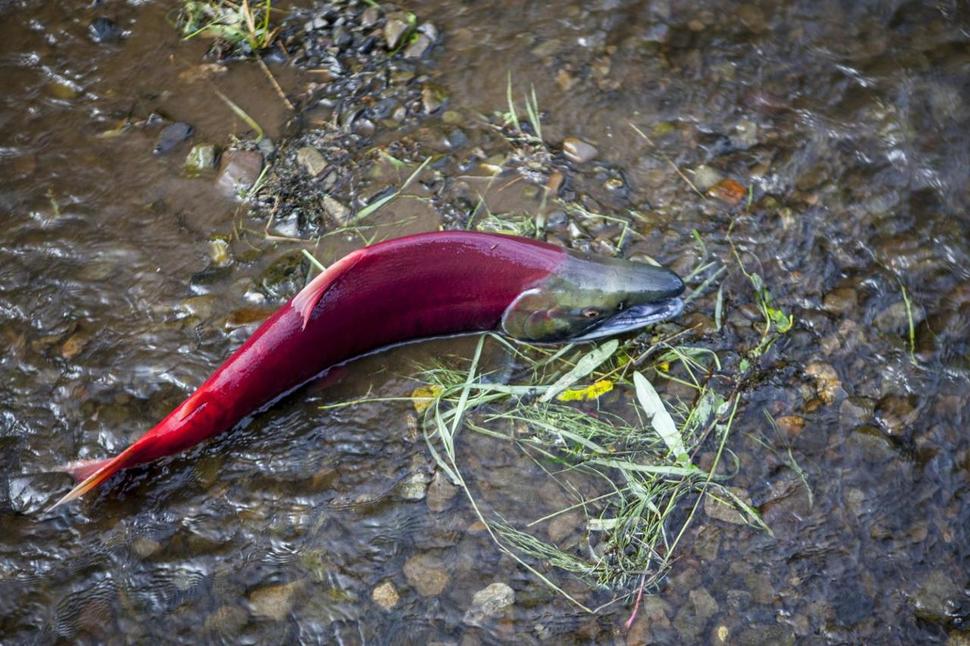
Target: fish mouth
{"x": 633, "y": 318}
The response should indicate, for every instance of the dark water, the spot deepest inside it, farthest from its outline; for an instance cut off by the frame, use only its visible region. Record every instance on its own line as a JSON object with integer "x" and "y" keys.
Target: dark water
{"x": 849, "y": 121}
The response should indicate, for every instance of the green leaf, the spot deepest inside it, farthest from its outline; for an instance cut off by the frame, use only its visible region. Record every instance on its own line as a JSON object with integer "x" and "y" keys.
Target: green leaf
{"x": 590, "y": 362}
{"x": 661, "y": 420}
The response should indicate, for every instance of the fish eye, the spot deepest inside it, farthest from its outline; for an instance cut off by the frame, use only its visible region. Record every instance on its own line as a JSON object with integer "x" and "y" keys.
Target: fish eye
{"x": 591, "y": 313}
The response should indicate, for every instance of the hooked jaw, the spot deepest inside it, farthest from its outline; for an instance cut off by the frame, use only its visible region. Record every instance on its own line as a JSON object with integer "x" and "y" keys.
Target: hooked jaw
{"x": 634, "y": 318}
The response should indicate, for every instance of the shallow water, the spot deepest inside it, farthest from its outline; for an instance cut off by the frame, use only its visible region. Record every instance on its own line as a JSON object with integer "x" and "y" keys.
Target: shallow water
{"x": 849, "y": 122}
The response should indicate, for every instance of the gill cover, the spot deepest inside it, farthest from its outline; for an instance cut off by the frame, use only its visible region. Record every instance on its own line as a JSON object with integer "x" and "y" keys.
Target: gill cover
{"x": 590, "y": 297}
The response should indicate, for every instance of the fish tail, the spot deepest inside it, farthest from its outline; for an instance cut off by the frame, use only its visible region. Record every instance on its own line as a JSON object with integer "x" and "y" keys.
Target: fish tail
{"x": 81, "y": 469}
{"x": 102, "y": 470}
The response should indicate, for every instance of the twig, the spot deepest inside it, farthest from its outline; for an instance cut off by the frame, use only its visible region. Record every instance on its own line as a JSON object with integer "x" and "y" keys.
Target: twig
{"x": 668, "y": 160}
{"x": 276, "y": 86}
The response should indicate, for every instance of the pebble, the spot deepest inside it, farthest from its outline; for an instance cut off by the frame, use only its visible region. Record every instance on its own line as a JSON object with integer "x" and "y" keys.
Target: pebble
{"x": 311, "y": 160}
{"x": 827, "y": 383}
{"x": 275, "y": 602}
{"x": 171, "y": 136}
{"x": 726, "y": 511}
{"x": 385, "y": 595}
{"x": 240, "y": 169}
{"x": 427, "y": 573}
{"x": 653, "y": 616}
{"x": 335, "y": 209}
{"x": 104, "y": 30}
{"x": 396, "y": 27}
{"x": 706, "y": 177}
{"x": 896, "y": 413}
{"x": 441, "y": 493}
{"x": 75, "y": 344}
{"x": 201, "y": 158}
{"x": 841, "y": 301}
{"x": 489, "y": 602}
{"x": 432, "y": 98}
{"x": 370, "y": 17}
{"x": 936, "y": 596}
{"x": 578, "y": 151}
{"x": 419, "y": 47}
{"x": 414, "y": 488}
{"x": 226, "y": 620}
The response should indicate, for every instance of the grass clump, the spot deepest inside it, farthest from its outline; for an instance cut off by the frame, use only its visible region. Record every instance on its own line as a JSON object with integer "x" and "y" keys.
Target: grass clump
{"x": 238, "y": 28}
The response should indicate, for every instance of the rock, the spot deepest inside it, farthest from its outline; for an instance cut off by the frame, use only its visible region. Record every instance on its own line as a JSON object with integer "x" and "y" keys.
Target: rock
{"x": 239, "y": 171}
{"x": 397, "y": 26}
{"x": 791, "y": 425}
{"x": 653, "y": 616}
{"x": 427, "y": 574}
{"x": 827, "y": 383}
{"x": 729, "y": 191}
{"x": 855, "y": 410}
{"x": 219, "y": 253}
{"x": 75, "y": 344}
{"x": 171, "y": 136}
{"x": 415, "y": 487}
{"x": 440, "y": 493}
{"x": 841, "y": 301}
{"x": 370, "y": 17}
{"x": 562, "y": 526}
{"x": 896, "y": 413}
{"x": 429, "y": 30}
{"x": 895, "y": 318}
{"x": 489, "y": 602}
{"x": 275, "y": 602}
{"x": 578, "y": 151}
{"x": 432, "y": 97}
{"x": 937, "y": 596}
{"x": 335, "y": 209}
{"x": 201, "y": 159}
{"x": 104, "y": 30}
{"x": 226, "y": 620}
{"x": 724, "y": 510}
{"x": 851, "y": 604}
{"x": 385, "y": 595}
{"x": 706, "y": 177}
{"x": 311, "y": 160}
{"x": 692, "y": 618}
{"x": 418, "y": 47}
{"x": 144, "y": 547}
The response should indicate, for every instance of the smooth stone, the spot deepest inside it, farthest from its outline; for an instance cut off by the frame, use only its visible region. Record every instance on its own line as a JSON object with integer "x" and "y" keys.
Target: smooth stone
{"x": 171, "y": 136}
{"x": 396, "y": 27}
{"x": 840, "y": 301}
{"x": 201, "y": 158}
{"x": 427, "y": 573}
{"x": 418, "y": 48}
{"x": 275, "y": 601}
{"x": 706, "y": 177}
{"x": 440, "y": 493}
{"x": 370, "y": 17}
{"x": 727, "y": 512}
{"x": 414, "y": 488}
{"x": 936, "y": 596}
{"x": 240, "y": 169}
{"x": 311, "y": 160}
{"x": 335, "y": 209}
{"x": 104, "y": 30}
{"x": 578, "y": 151}
{"x": 489, "y": 602}
{"x": 432, "y": 98}
{"x": 385, "y": 595}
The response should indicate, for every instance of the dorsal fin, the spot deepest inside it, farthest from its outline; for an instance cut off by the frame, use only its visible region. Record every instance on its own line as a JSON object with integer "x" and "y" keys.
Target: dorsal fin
{"x": 309, "y": 296}
{"x": 192, "y": 404}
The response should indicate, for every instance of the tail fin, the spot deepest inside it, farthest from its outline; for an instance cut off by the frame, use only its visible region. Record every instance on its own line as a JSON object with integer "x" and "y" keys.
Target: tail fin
{"x": 107, "y": 469}
{"x": 81, "y": 469}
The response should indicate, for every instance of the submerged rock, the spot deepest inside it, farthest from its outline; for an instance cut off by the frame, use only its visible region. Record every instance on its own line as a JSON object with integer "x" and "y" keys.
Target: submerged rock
{"x": 311, "y": 160}
{"x": 578, "y": 151}
{"x": 397, "y": 26}
{"x": 240, "y": 169}
{"x": 171, "y": 136}
{"x": 427, "y": 573}
{"x": 275, "y": 601}
{"x": 201, "y": 159}
{"x": 385, "y": 595}
{"x": 489, "y": 602}
{"x": 727, "y": 512}
{"x": 104, "y": 30}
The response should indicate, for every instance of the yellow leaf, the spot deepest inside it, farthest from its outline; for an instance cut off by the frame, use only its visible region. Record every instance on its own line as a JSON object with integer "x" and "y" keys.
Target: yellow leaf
{"x": 593, "y": 391}
{"x": 424, "y": 396}
{"x": 663, "y": 366}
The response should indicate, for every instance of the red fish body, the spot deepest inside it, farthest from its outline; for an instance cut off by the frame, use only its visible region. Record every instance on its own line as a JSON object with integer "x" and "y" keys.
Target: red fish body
{"x": 408, "y": 288}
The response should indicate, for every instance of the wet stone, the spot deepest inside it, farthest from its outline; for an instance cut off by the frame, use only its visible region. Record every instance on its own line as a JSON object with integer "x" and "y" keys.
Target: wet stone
{"x": 855, "y": 410}
{"x": 841, "y": 301}
{"x": 385, "y": 595}
{"x": 335, "y": 209}
{"x": 226, "y": 620}
{"x": 201, "y": 159}
{"x": 706, "y": 178}
{"x": 171, "y": 136}
{"x": 275, "y": 602}
{"x": 144, "y": 547}
{"x": 311, "y": 160}
{"x": 653, "y": 616}
{"x": 104, "y": 30}
{"x": 895, "y": 318}
{"x": 240, "y": 169}
{"x": 396, "y": 27}
{"x": 725, "y": 511}
{"x": 427, "y": 573}
{"x": 937, "y": 596}
{"x": 827, "y": 383}
{"x": 896, "y": 413}
{"x": 419, "y": 47}
{"x": 578, "y": 151}
{"x": 414, "y": 488}
{"x": 441, "y": 493}
{"x": 489, "y": 602}
{"x": 851, "y": 604}
{"x": 432, "y": 98}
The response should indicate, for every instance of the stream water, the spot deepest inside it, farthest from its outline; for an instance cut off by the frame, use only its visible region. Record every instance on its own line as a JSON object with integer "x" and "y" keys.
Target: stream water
{"x": 846, "y": 121}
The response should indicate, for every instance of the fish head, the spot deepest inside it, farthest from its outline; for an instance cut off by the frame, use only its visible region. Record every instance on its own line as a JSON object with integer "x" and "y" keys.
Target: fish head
{"x": 588, "y": 298}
